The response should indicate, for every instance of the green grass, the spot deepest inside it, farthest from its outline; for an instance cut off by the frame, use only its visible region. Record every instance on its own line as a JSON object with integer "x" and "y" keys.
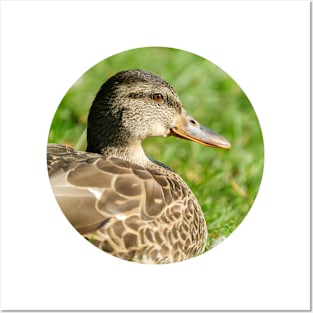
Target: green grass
{"x": 225, "y": 182}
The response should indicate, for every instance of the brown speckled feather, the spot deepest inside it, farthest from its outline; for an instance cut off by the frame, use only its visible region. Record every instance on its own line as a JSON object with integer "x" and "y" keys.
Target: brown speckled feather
{"x": 125, "y": 209}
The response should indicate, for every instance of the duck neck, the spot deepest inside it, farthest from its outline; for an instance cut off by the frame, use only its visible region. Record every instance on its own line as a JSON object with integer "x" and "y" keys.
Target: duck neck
{"x": 132, "y": 153}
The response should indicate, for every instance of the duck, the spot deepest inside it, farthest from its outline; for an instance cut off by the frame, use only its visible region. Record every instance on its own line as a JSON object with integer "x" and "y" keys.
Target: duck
{"x": 118, "y": 198}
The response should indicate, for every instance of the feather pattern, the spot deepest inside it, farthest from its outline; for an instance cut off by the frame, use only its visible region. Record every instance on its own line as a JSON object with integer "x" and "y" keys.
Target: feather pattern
{"x": 139, "y": 214}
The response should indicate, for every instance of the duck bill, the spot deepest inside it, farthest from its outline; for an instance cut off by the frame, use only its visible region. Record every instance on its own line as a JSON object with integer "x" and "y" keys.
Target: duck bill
{"x": 188, "y": 128}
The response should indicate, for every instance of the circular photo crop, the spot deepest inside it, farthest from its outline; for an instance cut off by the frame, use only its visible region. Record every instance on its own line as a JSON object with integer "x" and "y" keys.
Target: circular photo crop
{"x": 155, "y": 155}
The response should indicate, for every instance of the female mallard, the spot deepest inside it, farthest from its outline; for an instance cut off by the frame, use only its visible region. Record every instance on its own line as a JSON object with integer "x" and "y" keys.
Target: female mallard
{"x": 122, "y": 201}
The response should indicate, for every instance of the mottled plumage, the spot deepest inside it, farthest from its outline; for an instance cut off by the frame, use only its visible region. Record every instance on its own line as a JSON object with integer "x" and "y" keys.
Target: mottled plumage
{"x": 114, "y": 195}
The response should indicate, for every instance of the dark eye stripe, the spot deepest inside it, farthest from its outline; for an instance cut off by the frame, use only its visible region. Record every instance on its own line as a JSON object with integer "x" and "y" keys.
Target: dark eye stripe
{"x": 158, "y": 98}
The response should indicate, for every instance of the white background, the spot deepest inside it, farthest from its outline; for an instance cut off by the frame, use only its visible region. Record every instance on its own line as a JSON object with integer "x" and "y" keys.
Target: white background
{"x": 46, "y": 46}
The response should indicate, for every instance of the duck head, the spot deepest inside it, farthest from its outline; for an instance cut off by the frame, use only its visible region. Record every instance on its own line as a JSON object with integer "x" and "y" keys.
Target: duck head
{"x": 134, "y": 105}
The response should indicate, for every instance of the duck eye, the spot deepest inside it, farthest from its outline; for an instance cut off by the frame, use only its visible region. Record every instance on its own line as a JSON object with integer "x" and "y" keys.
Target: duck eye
{"x": 157, "y": 97}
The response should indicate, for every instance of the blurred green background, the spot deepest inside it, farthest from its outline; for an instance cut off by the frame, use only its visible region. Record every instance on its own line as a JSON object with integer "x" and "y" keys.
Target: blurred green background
{"x": 225, "y": 182}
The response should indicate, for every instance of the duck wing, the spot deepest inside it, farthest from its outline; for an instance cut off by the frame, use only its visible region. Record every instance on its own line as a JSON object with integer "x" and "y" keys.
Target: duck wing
{"x": 90, "y": 189}
{"x": 145, "y": 215}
